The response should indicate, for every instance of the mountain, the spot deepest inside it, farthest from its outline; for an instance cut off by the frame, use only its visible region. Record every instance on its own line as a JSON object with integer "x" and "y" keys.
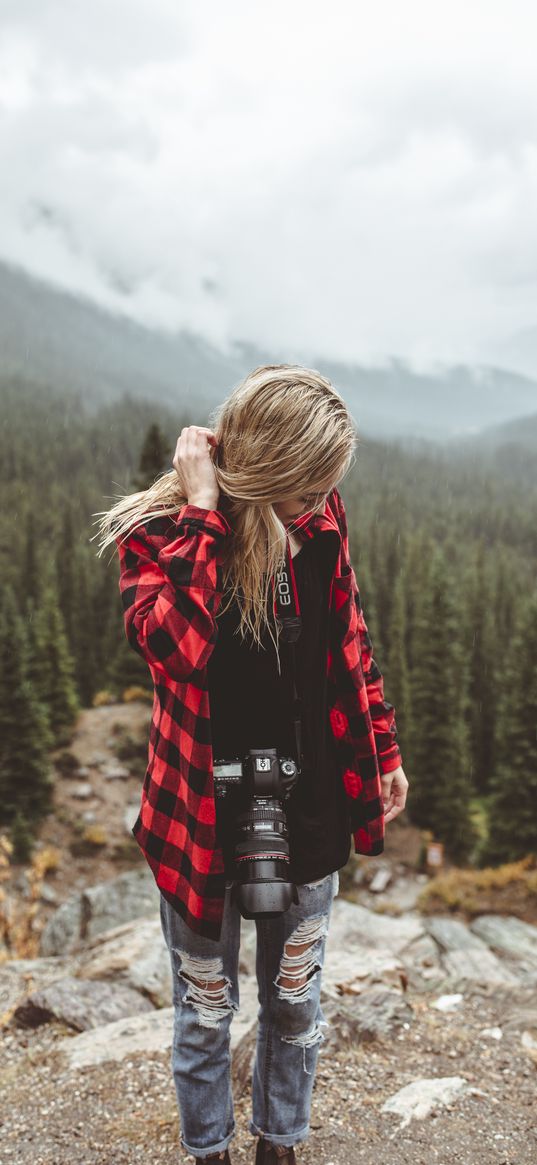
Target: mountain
{"x": 50, "y": 337}
{"x": 521, "y": 433}
{"x": 519, "y": 351}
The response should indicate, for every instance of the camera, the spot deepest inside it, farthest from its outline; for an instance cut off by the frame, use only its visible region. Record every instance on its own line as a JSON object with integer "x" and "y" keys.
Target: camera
{"x": 254, "y": 789}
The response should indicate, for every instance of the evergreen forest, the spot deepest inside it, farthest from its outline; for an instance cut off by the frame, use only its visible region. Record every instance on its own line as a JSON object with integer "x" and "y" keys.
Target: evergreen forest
{"x": 443, "y": 540}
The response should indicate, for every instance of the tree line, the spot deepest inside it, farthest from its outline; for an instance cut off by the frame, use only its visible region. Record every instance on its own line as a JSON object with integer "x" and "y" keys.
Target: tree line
{"x": 444, "y": 547}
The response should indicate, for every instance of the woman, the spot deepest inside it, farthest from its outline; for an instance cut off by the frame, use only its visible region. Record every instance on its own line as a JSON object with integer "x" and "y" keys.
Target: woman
{"x": 200, "y": 551}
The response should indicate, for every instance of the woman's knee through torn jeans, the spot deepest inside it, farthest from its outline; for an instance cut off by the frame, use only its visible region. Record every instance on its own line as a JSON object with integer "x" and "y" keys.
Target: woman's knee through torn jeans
{"x": 289, "y": 960}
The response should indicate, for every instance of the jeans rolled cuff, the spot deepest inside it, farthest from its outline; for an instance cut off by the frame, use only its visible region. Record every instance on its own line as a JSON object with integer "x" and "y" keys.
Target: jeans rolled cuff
{"x": 286, "y": 1140}
{"x": 217, "y": 1147}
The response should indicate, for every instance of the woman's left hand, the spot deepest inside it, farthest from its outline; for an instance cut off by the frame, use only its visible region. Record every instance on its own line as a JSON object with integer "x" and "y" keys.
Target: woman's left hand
{"x": 394, "y": 790}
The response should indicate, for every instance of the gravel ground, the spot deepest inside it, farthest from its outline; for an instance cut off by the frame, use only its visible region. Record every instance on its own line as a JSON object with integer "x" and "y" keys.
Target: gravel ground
{"x": 126, "y": 1112}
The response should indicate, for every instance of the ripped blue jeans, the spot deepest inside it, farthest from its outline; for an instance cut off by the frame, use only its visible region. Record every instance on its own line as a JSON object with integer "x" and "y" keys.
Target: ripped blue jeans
{"x": 289, "y": 958}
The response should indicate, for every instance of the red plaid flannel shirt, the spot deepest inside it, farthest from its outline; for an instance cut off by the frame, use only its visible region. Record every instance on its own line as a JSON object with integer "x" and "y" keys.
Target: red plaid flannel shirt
{"x": 171, "y": 589}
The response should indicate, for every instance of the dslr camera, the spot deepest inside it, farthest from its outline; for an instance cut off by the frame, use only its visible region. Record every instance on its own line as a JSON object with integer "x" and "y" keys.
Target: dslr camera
{"x": 255, "y": 788}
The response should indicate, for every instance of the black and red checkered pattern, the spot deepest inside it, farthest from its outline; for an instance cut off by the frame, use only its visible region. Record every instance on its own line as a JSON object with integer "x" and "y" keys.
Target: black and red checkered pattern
{"x": 171, "y": 587}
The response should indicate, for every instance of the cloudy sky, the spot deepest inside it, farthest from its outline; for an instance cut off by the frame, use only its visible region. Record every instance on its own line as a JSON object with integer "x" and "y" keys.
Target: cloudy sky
{"x": 356, "y": 180}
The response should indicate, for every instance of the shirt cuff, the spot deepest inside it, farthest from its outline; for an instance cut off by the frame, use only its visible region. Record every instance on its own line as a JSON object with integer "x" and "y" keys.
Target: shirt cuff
{"x": 390, "y": 760}
{"x": 213, "y": 520}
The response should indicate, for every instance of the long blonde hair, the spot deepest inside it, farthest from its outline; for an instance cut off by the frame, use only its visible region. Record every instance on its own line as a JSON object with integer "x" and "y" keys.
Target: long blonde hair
{"x": 282, "y": 431}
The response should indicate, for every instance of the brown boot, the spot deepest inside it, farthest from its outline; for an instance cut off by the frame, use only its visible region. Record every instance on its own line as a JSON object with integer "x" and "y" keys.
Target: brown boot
{"x": 222, "y": 1156}
{"x": 269, "y": 1154}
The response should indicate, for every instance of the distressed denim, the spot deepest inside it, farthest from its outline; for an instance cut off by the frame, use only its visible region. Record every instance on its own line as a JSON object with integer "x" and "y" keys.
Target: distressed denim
{"x": 289, "y": 1019}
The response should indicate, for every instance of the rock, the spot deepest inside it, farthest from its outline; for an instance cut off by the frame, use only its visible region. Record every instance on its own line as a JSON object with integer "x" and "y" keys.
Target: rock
{"x": 62, "y": 931}
{"x": 418, "y": 1099}
{"x": 369, "y": 1016}
{"x": 21, "y": 884}
{"x": 354, "y": 926}
{"x": 508, "y": 935}
{"x": 19, "y": 976}
{"x": 350, "y": 972}
{"x": 493, "y": 1033}
{"x": 75, "y": 772}
{"x": 115, "y": 772}
{"x": 421, "y": 959}
{"x": 465, "y": 957}
{"x": 47, "y": 894}
{"x": 129, "y": 816}
{"x": 98, "y": 759}
{"x": 98, "y": 908}
{"x": 152, "y": 1032}
{"x": 363, "y": 947}
{"x": 134, "y": 953}
{"x": 80, "y": 1004}
{"x": 133, "y": 894}
{"x": 148, "y": 1033}
{"x": 404, "y": 894}
{"x": 89, "y": 816}
{"x": 447, "y": 1002}
{"x": 381, "y": 878}
{"x": 82, "y": 791}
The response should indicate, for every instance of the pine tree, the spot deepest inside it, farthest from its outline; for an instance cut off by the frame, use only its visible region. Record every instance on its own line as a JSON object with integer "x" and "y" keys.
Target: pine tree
{"x": 51, "y": 669}
{"x": 439, "y": 795}
{"x": 30, "y": 582}
{"x": 397, "y": 677}
{"x": 512, "y": 807}
{"x": 65, "y": 560}
{"x": 22, "y": 838}
{"x": 482, "y": 666}
{"x": 128, "y": 669}
{"x": 87, "y": 631}
{"x": 154, "y": 453}
{"x": 25, "y": 739}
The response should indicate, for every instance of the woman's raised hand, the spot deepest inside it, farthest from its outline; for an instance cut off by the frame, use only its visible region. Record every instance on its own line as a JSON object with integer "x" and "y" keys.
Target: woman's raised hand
{"x": 193, "y": 463}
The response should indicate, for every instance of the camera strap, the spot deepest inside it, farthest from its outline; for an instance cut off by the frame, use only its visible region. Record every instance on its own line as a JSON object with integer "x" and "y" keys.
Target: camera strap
{"x": 287, "y": 613}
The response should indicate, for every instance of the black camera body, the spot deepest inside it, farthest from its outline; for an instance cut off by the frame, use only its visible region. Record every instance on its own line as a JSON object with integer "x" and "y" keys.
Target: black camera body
{"x": 256, "y": 788}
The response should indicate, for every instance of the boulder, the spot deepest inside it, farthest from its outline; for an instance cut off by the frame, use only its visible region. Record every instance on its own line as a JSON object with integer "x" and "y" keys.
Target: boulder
{"x": 134, "y": 954}
{"x": 19, "y": 976}
{"x": 465, "y": 957}
{"x": 98, "y": 908}
{"x": 508, "y": 935}
{"x": 377, "y": 1012}
{"x": 152, "y": 1032}
{"x": 352, "y": 925}
{"x": 80, "y": 1004}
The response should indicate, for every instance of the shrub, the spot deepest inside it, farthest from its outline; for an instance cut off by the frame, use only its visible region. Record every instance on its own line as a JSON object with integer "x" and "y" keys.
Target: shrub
{"x": 507, "y": 889}
{"x": 103, "y": 697}
{"x": 135, "y": 692}
{"x": 67, "y": 763}
{"x": 94, "y": 837}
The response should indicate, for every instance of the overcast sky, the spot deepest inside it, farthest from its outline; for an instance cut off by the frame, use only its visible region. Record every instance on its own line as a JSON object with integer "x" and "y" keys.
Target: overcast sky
{"x": 351, "y": 179}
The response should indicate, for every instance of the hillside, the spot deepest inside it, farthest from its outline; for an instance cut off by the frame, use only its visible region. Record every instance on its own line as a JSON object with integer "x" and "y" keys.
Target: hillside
{"x": 49, "y": 337}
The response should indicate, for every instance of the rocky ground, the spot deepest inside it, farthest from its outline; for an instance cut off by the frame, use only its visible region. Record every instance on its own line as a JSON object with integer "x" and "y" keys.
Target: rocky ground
{"x": 430, "y": 1053}
{"x": 126, "y": 1112}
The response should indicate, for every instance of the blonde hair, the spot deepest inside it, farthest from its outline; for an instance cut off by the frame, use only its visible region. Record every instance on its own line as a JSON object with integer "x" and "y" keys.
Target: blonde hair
{"x": 282, "y": 431}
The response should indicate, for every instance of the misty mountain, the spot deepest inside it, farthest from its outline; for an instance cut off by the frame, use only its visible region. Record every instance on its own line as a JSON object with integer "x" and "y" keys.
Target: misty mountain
{"x": 53, "y": 338}
{"x": 518, "y": 351}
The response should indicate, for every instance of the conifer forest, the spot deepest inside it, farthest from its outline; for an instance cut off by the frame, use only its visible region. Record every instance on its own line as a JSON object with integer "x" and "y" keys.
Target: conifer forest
{"x": 443, "y": 540}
